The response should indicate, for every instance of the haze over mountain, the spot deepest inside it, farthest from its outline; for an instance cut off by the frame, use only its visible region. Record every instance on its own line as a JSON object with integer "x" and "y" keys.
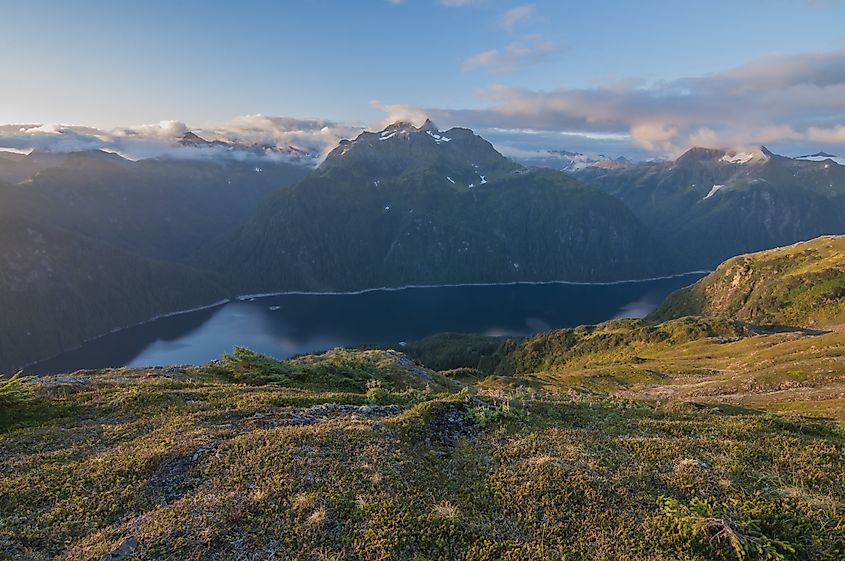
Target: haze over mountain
{"x": 410, "y": 205}
{"x": 92, "y": 241}
{"x": 709, "y": 205}
{"x": 405, "y": 205}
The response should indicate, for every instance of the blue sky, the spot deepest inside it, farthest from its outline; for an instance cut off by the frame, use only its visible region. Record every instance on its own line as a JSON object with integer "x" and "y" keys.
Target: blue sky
{"x": 109, "y": 64}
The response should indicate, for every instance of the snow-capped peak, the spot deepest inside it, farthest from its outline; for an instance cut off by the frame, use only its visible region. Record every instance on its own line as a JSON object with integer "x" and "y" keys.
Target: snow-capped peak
{"x": 741, "y": 157}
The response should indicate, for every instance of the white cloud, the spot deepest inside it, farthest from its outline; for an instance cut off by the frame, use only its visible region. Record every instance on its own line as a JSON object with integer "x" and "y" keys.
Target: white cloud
{"x": 777, "y": 98}
{"x": 315, "y": 137}
{"x": 832, "y": 134}
{"x": 517, "y": 55}
{"x": 394, "y": 112}
{"x": 162, "y": 130}
{"x": 517, "y": 14}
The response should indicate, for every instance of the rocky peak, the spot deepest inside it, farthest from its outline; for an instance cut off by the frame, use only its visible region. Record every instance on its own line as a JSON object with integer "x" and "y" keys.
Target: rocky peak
{"x": 192, "y": 139}
{"x": 458, "y": 155}
{"x": 429, "y": 126}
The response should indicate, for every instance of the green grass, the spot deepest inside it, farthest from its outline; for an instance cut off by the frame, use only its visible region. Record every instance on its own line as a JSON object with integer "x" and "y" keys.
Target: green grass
{"x": 797, "y": 285}
{"x": 195, "y": 466}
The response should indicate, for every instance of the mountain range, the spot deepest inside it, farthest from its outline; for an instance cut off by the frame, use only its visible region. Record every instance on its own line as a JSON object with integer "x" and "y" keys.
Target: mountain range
{"x": 571, "y": 162}
{"x": 403, "y": 205}
{"x": 709, "y": 205}
{"x": 92, "y": 241}
{"x": 411, "y": 205}
{"x": 244, "y": 151}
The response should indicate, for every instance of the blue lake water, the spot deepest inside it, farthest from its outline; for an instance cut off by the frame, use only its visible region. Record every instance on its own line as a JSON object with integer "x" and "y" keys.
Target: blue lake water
{"x": 290, "y": 324}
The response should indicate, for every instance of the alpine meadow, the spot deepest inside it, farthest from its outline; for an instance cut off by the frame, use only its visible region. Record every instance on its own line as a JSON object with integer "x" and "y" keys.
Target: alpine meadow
{"x": 422, "y": 280}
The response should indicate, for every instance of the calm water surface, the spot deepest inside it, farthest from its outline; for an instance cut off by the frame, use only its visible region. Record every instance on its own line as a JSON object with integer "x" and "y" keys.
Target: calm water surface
{"x": 290, "y": 324}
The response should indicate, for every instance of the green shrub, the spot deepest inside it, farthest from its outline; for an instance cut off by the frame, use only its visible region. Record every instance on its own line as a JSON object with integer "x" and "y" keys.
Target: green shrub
{"x": 16, "y": 390}
{"x": 721, "y": 530}
{"x": 487, "y": 416}
{"x": 244, "y": 366}
{"x": 377, "y": 394}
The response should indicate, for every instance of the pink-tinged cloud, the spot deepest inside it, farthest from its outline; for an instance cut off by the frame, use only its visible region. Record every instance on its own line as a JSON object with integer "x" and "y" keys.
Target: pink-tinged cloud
{"x": 775, "y": 98}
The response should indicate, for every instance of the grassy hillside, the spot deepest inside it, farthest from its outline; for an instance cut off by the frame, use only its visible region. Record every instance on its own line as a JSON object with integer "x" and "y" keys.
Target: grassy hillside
{"x": 690, "y": 359}
{"x": 365, "y": 455}
{"x": 799, "y": 285}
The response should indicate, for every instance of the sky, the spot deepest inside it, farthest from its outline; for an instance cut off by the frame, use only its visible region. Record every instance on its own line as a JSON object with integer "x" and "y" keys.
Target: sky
{"x": 627, "y": 78}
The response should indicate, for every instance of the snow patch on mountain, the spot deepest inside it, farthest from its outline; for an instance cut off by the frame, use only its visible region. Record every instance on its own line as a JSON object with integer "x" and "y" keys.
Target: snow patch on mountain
{"x": 741, "y": 157}
{"x": 713, "y": 191}
{"x": 738, "y": 158}
{"x": 821, "y": 157}
{"x": 438, "y": 138}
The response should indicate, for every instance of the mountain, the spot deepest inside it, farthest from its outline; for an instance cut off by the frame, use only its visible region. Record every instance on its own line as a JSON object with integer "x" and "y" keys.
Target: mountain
{"x": 562, "y": 160}
{"x": 161, "y": 209}
{"x": 58, "y": 288}
{"x": 409, "y": 205}
{"x": 823, "y": 157}
{"x": 709, "y": 205}
{"x": 570, "y": 162}
{"x": 18, "y": 167}
{"x": 797, "y": 285}
{"x": 92, "y": 242}
{"x": 239, "y": 150}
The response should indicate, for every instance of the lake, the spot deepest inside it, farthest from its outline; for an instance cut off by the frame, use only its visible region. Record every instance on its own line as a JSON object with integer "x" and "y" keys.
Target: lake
{"x": 288, "y": 324}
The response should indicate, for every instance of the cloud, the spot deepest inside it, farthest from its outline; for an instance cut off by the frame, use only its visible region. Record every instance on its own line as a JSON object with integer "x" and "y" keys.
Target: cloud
{"x": 797, "y": 98}
{"x": 455, "y": 3}
{"x": 833, "y": 134}
{"x": 516, "y": 15}
{"x": 398, "y": 112}
{"x": 519, "y": 54}
{"x": 304, "y": 134}
{"x": 255, "y": 135}
{"x": 161, "y": 130}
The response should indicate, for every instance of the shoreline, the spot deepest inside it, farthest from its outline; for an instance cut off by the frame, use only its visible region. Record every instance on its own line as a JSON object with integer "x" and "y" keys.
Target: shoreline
{"x": 248, "y": 297}
{"x": 116, "y": 329}
{"x": 244, "y": 297}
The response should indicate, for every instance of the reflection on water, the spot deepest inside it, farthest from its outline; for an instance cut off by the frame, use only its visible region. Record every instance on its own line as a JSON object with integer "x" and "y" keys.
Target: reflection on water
{"x": 292, "y": 324}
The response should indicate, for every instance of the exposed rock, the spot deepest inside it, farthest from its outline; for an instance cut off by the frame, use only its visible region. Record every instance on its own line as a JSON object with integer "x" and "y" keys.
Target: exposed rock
{"x": 692, "y": 463}
{"x": 320, "y": 413}
{"x": 124, "y": 551}
{"x": 411, "y": 366}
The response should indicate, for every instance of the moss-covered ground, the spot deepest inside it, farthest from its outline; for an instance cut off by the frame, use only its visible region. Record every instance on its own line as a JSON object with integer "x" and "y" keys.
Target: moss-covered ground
{"x": 366, "y": 455}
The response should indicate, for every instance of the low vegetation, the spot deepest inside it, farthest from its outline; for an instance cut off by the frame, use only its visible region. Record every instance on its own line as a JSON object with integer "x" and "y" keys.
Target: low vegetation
{"x": 15, "y": 390}
{"x": 367, "y": 455}
{"x": 695, "y": 439}
{"x": 797, "y": 285}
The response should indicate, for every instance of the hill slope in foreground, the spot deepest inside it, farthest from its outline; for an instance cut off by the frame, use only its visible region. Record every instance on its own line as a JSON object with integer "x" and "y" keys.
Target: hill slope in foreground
{"x": 801, "y": 284}
{"x": 692, "y": 439}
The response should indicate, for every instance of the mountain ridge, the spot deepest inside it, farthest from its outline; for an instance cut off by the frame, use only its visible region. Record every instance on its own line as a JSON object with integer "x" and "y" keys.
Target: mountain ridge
{"x": 712, "y": 204}
{"x": 413, "y": 205}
